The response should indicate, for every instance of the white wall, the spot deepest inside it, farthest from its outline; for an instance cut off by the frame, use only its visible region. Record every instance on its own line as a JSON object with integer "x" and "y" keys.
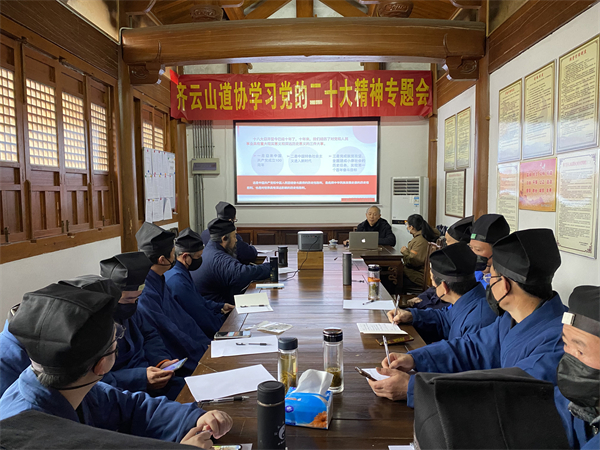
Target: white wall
{"x": 463, "y": 101}
{"x": 29, "y": 274}
{"x": 575, "y": 270}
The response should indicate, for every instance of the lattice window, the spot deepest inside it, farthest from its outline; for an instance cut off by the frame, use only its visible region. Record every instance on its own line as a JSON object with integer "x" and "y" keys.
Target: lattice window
{"x": 41, "y": 117}
{"x": 147, "y": 132}
{"x": 8, "y": 127}
{"x": 99, "y": 138}
{"x": 159, "y": 138}
{"x": 74, "y": 132}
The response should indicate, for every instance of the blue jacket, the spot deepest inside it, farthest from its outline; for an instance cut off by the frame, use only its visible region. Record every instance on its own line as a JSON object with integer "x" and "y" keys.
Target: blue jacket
{"x": 181, "y": 335}
{"x": 534, "y": 345}
{"x": 246, "y": 253}
{"x": 105, "y": 407}
{"x": 470, "y": 313}
{"x": 429, "y": 299}
{"x": 140, "y": 347}
{"x": 579, "y": 437}
{"x": 207, "y": 314}
{"x": 221, "y": 276}
{"x": 13, "y": 359}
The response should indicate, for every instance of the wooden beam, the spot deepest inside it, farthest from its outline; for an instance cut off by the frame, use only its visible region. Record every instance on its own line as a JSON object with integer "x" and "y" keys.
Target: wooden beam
{"x": 432, "y": 155}
{"x": 238, "y": 68}
{"x": 344, "y": 8}
{"x": 372, "y": 39}
{"x": 266, "y": 9}
{"x": 372, "y": 66}
{"x": 137, "y": 7}
{"x": 372, "y": 8}
{"x": 448, "y": 89}
{"x": 234, "y": 13}
{"x": 482, "y": 134}
{"x": 179, "y": 147}
{"x": 304, "y": 8}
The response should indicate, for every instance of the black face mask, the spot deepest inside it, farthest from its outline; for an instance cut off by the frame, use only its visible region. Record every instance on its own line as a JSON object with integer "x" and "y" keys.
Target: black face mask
{"x": 494, "y": 304}
{"x": 481, "y": 263}
{"x": 195, "y": 264}
{"x": 124, "y": 311}
{"x": 578, "y": 382}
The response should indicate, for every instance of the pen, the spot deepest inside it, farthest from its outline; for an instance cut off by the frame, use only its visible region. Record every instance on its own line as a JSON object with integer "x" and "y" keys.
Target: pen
{"x": 237, "y": 398}
{"x": 387, "y": 350}
{"x": 252, "y": 343}
{"x": 251, "y": 306}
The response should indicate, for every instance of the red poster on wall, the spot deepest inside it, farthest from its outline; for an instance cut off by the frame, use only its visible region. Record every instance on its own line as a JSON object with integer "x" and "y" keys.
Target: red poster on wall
{"x": 373, "y": 93}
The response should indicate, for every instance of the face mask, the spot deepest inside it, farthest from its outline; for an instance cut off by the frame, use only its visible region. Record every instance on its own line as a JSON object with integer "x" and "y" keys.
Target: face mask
{"x": 439, "y": 296}
{"x": 481, "y": 263}
{"x": 195, "y": 264}
{"x": 494, "y": 304}
{"x": 171, "y": 263}
{"x": 578, "y": 382}
{"x": 125, "y": 311}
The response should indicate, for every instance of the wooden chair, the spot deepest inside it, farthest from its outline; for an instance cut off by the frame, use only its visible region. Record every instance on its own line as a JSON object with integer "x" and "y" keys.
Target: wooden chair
{"x": 412, "y": 293}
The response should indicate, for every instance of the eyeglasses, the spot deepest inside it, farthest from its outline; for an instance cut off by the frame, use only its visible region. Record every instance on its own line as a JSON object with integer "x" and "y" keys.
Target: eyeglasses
{"x": 488, "y": 277}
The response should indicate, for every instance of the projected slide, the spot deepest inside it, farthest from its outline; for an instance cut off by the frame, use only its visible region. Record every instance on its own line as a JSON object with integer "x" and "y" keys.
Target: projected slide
{"x": 302, "y": 162}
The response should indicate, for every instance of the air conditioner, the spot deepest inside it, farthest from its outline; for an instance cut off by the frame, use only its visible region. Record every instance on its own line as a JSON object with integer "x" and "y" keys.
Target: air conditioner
{"x": 409, "y": 196}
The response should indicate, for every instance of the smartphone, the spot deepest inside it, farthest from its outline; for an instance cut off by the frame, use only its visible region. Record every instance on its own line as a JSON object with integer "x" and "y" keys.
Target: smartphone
{"x": 397, "y": 340}
{"x": 232, "y": 334}
{"x": 364, "y": 374}
{"x": 176, "y": 366}
{"x": 227, "y": 447}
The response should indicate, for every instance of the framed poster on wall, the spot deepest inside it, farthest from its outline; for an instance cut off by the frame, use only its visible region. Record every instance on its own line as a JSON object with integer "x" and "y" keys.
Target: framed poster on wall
{"x": 507, "y": 200}
{"x": 538, "y": 113}
{"x": 463, "y": 139}
{"x": 450, "y": 143}
{"x": 455, "y": 193}
{"x": 509, "y": 123}
{"x": 537, "y": 185}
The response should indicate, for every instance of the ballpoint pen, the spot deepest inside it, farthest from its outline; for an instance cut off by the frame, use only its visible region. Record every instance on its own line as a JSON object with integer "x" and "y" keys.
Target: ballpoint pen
{"x": 251, "y": 306}
{"x": 237, "y": 398}
{"x": 252, "y": 343}
{"x": 387, "y": 350}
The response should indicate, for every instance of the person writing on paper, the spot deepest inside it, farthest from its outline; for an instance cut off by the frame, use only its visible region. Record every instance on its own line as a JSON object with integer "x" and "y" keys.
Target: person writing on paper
{"x": 527, "y": 335}
{"x": 209, "y": 315}
{"x": 458, "y": 232}
{"x": 453, "y": 277}
{"x": 577, "y": 396}
{"x": 245, "y": 253}
{"x": 71, "y": 338}
{"x": 486, "y": 231}
{"x": 179, "y": 331}
{"x": 374, "y": 222}
{"x": 415, "y": 254}
{"x": 221, "y": 275}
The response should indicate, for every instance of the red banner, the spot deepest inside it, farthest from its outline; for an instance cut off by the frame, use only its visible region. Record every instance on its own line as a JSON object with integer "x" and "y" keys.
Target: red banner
{"x": 308, "y": 185}
{"x": 373, "y": 93}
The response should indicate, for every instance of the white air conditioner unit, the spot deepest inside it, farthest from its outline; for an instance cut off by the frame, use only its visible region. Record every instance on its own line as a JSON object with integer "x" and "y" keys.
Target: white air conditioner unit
{"x": 409, "y": 196}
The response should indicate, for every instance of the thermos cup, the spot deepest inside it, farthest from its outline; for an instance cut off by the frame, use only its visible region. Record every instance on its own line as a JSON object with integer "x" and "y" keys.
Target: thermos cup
{"x": 270, "y": 415}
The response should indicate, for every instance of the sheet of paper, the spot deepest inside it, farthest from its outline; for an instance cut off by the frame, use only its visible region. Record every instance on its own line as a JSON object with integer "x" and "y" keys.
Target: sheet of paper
{"x": 149, "y": 210}
{"x": 252, "y": 303}
{"x": 379, "y": 328}
{"x": 227, "y": 383}
{"x": 233, "y": 347}
{"x": 171, "y": 163}
{"x": 147, "y": 161}
{"x": 381, "y": 305}
{"x": 168, "y": 211}
{"x": 157, "y": 209}
{"x": 375, "y": 374}
{"x": 357, "y": 259}
{"x": 401, "y": 447}
{"x": 253, "y": 309}
{"x": 169, "y": 186}
{"x": 156, "y": 162}
{"x": 149, "y": 186}
{"x": 269, "y": 286}
{"x": 284, "y": 270}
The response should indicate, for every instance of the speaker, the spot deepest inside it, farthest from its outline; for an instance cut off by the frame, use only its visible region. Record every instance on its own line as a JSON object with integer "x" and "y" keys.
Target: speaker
{"x": 310, "y": 241}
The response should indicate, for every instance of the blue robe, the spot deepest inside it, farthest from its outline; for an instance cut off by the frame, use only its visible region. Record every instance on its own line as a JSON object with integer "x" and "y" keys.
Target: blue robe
{"x": 470, "y": 313}
{"x": 534, "y": 345}
{"x": 140, "y": 347}
{"x": 579, "y": 437}
{"x": 221, "y": 276}
{"x": 105, "y": 407}
{"x": 13, "y": 359}
{"x": 246, "y": 253}
{"x": 429, "y": 299}
{"x": 181, "y": 335}
{"x": 207, "y": 314}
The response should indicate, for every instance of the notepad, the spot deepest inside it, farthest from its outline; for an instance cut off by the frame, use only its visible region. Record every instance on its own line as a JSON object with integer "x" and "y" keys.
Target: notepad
{"x": 233, "y": 347}
{"x": 379, "y": 328}
{"x": 380, "y": 305}
{"x": 375, "y": 374}
{"x": 252, "y": 303}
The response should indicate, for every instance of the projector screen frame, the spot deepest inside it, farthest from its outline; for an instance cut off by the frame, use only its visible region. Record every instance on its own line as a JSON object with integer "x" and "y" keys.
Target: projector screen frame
{"x": 328, "y": 119}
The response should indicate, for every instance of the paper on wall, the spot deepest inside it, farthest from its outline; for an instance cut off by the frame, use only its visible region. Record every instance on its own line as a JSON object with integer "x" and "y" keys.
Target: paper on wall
{"x": 157, "y": 210}
{"x": 168, "y": 212}
{"x": 149, "y": 206}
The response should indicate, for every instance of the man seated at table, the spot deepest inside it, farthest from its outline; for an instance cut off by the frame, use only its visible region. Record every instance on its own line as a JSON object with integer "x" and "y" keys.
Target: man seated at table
{"x": 71, "y": 338}
{"x": 486, "y": 231}
{"x": 453, "y": 277}
{"x": 13, "y": 358}
{"x": 182, "y": 336}
{"x": 374, "y": 222}
{"x": 142, "y": 354}
{"x": 458, "y": 232}
{"x": 577, "y": 396}
{"x": 245, "y": 253}
{"x": 221, "y": 275}
{"x": 528, "y": 335}
{"x": 209, "y": 315}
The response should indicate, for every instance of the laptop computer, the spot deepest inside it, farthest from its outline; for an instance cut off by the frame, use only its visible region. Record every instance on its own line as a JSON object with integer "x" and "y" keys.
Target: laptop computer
{"x": 364, "y": 240}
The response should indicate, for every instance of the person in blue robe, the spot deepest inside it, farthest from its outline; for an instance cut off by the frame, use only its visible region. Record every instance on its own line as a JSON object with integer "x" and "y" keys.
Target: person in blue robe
{"x": 485, "y": 232}
{"x": 181, "y": 335}
{"x": 221, "y": 275}
{"x": 13, "y": 357}
{"x": 577, "y": 395}
{"x": 71, "y": 338}
{"x": 244, "y": 252}
{"x": 452, "y": 274}
{"x": 527, "y": 335}
{"x": 209, "y": 315}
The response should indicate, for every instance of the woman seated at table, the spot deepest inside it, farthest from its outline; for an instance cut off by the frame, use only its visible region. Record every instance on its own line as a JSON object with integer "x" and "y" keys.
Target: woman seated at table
{"x": 415, "y": 253}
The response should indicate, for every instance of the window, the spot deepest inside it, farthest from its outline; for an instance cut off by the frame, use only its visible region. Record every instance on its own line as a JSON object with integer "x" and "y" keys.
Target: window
{"x": 8, "y": 123}
{"x": 99, "y": 138}
{"x": 41, "y": 118}
{"x": 74, "y": 132}
{"x": 153, "y": 127}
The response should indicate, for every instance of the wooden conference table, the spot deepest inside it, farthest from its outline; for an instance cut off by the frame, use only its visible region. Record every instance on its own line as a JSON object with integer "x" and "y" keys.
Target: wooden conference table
{"x": 311, "y": 301}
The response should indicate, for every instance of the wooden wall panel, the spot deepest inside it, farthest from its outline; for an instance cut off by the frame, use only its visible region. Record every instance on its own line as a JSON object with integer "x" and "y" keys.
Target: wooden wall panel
{"x": 530, "y": 24}
{"x": 65, "y": 29}
{"x": 447, "y": 90}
